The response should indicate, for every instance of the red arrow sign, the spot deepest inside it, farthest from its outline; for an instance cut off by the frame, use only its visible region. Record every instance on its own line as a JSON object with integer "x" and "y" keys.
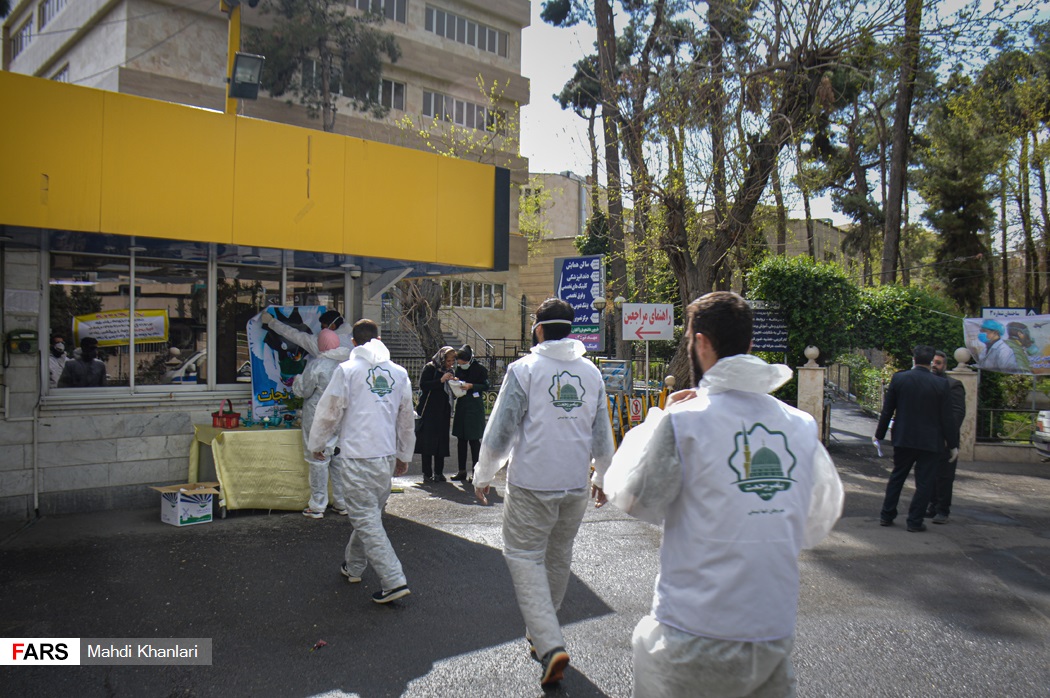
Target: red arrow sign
{"x": 639, "y": 332}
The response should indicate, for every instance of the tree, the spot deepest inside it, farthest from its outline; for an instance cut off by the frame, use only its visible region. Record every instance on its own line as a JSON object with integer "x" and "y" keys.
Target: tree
{"x": 318, "y": 49}
{"x": 896, "y": 318}
{"x": 533, "y": 204}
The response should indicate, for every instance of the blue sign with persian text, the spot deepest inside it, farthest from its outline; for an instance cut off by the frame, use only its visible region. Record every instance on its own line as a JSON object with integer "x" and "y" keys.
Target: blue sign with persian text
{"x": 578, "y": 281}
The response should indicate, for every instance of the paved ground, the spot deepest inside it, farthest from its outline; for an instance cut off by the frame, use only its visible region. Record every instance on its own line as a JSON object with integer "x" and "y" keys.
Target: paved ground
{"x": 961, "y": 610}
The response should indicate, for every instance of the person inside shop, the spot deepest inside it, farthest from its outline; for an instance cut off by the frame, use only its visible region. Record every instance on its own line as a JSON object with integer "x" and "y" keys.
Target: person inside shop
{"x": 435, "y": 413}
{"x": 56, "y": 359}
{"x": 468, "y": 425}
{"x": 310, "y": 386}
{"x": 85, "y": 370}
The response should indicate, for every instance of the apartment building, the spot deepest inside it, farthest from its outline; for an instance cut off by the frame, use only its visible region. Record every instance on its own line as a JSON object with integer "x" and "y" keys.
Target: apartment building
{"x": 67, "y": 454}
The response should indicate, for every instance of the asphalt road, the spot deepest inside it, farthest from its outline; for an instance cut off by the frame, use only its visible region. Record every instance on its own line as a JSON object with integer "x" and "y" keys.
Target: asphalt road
{"x": 961, "y": 610}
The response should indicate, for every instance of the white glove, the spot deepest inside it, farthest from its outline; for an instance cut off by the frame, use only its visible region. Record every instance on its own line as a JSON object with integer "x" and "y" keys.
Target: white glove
{"x": 953, "y": 455}
{"x": 265, "y": 319}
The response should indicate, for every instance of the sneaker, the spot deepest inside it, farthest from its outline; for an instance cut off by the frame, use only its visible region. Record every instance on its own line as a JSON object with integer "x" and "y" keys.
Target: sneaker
{"x": 388, "y": 595}
{"x": 459, "y": 477}
{"x": 554, "y": 663}
{"x": 311, "y": 514}
{"x": 940, "y": 519}
{"x": 353, "y": 579}
{"x": 341, "y": 512}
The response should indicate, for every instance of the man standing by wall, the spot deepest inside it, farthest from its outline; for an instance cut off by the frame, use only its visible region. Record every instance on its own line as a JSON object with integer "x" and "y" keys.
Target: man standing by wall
{"x": 920, "y": 406}
{"x": 368, "y": 404}
{"x": 551, "y": 421}
{"x": 741, "y": 484}
{"x": 941, "y": 495}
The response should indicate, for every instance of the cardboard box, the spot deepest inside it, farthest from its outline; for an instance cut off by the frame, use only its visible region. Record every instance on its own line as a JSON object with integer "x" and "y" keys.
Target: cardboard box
{"x": 185, "y": 505}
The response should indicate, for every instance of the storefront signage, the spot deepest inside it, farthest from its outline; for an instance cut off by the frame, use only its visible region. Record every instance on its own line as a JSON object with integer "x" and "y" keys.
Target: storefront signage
{"x": 648, "y": 321}
{"x": 578, "y": 281}
{"x": 112, "y": 329}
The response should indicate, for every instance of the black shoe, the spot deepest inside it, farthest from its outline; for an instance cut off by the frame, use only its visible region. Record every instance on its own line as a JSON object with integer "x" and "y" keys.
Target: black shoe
{"x": 388, "y": 595}
{"x": 940, "y": 519}
{"x": 916, "y": 529}
{"x": 439, "y": 478}
{"x": 554, "y": 663}
{"x": 460, "y": 476}
{"x": 930, "y": 514}
{"x": 885, "y": 522}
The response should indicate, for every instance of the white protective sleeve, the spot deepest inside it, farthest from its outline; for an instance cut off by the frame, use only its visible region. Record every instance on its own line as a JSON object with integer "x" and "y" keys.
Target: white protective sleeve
{"x": 405, "y": 427}
{"x": 603, "y": 446}
{"x": 825, "y": 504}
{"x": 304, "y": 339}
{"x": 501, "y": 432}
{"x": 328, "y": 418}
{"x": 646, "y": 474}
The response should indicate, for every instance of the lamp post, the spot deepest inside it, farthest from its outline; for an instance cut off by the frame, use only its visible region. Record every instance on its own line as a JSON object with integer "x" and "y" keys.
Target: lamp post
{"x": 253, "y": 64}
{"x": 600, "y": 304}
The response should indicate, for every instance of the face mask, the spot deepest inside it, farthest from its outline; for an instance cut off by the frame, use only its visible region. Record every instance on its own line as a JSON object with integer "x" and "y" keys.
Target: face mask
{"x": 58, "y": 349}
{"x": 983, "y": 338}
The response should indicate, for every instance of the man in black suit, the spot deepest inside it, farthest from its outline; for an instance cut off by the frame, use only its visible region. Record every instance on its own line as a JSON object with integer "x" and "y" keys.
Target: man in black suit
{"x": 920, "y": 404}
{"x": 941, "y": 496}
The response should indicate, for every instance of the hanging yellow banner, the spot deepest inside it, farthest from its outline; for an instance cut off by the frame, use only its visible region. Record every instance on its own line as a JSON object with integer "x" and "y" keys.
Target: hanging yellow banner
{"x": 112, "y": 329}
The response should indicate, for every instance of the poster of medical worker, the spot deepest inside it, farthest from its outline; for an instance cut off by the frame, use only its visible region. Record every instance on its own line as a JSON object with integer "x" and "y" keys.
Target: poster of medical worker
{"x": 276, "y": 361}
{"x": 1010, "y": 345}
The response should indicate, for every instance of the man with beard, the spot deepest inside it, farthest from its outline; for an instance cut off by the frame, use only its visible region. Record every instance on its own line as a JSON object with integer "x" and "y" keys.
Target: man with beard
{"x": 740, "y": 483}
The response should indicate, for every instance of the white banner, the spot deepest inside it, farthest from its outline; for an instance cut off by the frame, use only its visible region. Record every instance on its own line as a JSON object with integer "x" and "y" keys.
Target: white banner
{"x": 1010, "y": 345}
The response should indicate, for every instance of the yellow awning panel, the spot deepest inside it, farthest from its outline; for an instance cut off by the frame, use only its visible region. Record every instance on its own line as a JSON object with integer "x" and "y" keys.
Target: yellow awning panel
{"x": 77, "y": 158}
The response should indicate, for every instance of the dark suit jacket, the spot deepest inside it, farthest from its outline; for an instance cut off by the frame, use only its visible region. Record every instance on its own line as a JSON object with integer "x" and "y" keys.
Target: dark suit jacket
{"x": 920, "y": 404}
{"x": 958, "y": 393}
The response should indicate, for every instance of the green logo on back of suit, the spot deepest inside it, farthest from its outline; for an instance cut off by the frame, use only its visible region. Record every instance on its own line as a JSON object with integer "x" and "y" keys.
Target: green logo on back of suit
{"x": 767, "y": 470}
{"x": 566, "y": 391}
{"x": 380, "y": 381}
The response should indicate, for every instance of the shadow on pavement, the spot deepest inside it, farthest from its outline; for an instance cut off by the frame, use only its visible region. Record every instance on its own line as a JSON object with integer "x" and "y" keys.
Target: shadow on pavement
{"x": 266, "y": 589}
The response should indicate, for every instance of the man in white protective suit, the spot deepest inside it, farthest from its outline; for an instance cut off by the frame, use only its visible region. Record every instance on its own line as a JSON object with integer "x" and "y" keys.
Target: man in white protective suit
{"x": 310, "y": 386}
{"x": 551, "y": 422}
{"x": 368, "y": 405}
{"x": 741, "y": 484}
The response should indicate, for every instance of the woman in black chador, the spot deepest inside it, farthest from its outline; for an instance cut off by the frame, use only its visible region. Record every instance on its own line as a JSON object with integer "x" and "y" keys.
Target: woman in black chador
{"x": 435, "y": 408}
{"x": 469, "y": 423}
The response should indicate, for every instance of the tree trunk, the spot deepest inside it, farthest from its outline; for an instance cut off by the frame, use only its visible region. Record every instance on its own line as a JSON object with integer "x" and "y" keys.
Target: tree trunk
{"x": 1004, "y": 226}
{"x": 901, "y": 138}
{"x": 1024, "y": 208}
{"x": 593, "y": 142}
{"x": 610, "y": 116}
{"x": 778, "y": 196}
{"x": 905, "y": 262}
{"x": 1043, "y": 303}
{"x": 422, "y": 300}
{"x": 716, "y": 109}
{"x": 990, "y": 264}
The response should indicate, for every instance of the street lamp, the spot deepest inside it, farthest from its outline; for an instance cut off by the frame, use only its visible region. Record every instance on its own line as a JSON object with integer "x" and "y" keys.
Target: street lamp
{"x": 247, "y": 74}
{"x": 600, "y": 304}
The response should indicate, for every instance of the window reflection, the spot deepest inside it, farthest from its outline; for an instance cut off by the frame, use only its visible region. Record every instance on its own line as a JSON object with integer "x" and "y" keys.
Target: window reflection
{"x": 242, "y": 293}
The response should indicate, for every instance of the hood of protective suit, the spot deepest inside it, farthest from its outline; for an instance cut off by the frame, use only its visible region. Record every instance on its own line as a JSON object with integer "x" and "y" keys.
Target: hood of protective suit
{"x": 745, "y": 372}
{"x": 560, "y": 349}
{"x": 339, "y": 354}
{"x": 374, "y": 352}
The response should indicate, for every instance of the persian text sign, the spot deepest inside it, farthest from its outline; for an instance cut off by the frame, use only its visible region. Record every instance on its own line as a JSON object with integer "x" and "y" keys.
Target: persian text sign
{"x": 770, "y": 331}
{"x": 111, "y": 327}
{"x": 578, "y": 281}
{"x": 648, "y": 321}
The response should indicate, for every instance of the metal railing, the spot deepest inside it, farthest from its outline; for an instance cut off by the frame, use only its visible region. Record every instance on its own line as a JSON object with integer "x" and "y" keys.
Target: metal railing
{"x": 1005, "y": 425}
{"x": 453, "y": 323}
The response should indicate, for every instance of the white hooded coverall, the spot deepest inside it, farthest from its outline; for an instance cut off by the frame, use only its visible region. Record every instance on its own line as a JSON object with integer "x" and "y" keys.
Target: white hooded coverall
{"x": 551, "y": 422}
{"x": 741, "y": 484}
{"x": 368, "y": 406}
{"x": 310, "y": 385}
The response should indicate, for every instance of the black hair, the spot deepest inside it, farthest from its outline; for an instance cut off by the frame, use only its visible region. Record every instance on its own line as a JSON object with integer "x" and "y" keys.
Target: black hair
{"x": 923, "y": 354}
{"x": 364, "y": 331}
{"x": 465, "y": 353}
{"x": 331, "y": 319}
{"x": 555, "y": 309}
{"x": 725, "y": 319}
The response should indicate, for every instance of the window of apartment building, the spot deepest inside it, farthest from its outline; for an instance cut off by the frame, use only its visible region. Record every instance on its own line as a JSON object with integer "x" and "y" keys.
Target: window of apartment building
{"x": 391, "y": 9}
{"x": 62, "y": 75}
{"x": 465, "y": 31}
{"x": 22, "y": 37}
{"x": 392, "y": 94}
{"x": 47, "y": 11}
{"x": 463, "y": 113}
{"x": 472, "y": 294}
{"x": 91, "y": 280}
{"x": 311, "y": 77}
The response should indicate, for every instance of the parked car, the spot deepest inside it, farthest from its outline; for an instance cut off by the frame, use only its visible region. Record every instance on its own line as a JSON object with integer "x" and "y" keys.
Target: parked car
{"x": 1041, "y": 435}
{"x": 190, "y": 369}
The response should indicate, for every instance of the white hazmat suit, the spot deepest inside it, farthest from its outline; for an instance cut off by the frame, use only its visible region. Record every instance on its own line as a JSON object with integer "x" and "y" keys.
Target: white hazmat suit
{"x": 310, "y": 386}
{"x": 368, "y": 407}
{"x": 741, "y": 484}
{"x": 551, "y": 422}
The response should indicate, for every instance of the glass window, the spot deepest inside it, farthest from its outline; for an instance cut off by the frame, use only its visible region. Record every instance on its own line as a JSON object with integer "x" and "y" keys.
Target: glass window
{"x": 457, "y": 293}
{"x": 311, "y": 287}
{"x": 491, "y": 40}
{"x": 479, "y": 296}
{"x": 429, "y": 21}
{"x": 177, "y": 291}
{"x": 402, "y": 6}
{"x": 461, "y": 108}
{"x": 497, "y": 296}
{"x": 242, "y": 293}
{"x": 439, "y": 22}
{"x": 461, "y": 30}
{"x": 472, "y": 33}
{"x": 504, "y": 38}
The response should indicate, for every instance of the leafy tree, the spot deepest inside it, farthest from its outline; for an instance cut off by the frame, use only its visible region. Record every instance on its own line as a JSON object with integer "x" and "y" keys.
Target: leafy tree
{"x": 896, "y": 318}
{"x": 533, "y": 204}
{"x": 818, "y": 300}
{"x": 317, "y": 49}
{"x": 596, "y": 238}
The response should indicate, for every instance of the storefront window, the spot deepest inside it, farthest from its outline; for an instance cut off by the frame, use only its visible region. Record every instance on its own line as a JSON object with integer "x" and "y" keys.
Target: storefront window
{"x": 177, "y": 291}
{"x": 315, "y": 288}
{"x": 242, "y": 293}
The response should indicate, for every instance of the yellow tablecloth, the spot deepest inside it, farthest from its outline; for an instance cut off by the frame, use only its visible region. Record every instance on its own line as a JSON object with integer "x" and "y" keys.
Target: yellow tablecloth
{"x": 256, "y": 468}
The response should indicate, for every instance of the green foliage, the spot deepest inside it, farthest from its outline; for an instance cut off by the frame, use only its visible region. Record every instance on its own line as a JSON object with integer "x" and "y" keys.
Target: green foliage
{"x": 865, "y": 379}
{"x": 346, "y": 48}
{"x": 596, "y": 239}
{"x": 818, "y": 300}
{"x": 897, "y": 318}
{"x": 534, "y": 202}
